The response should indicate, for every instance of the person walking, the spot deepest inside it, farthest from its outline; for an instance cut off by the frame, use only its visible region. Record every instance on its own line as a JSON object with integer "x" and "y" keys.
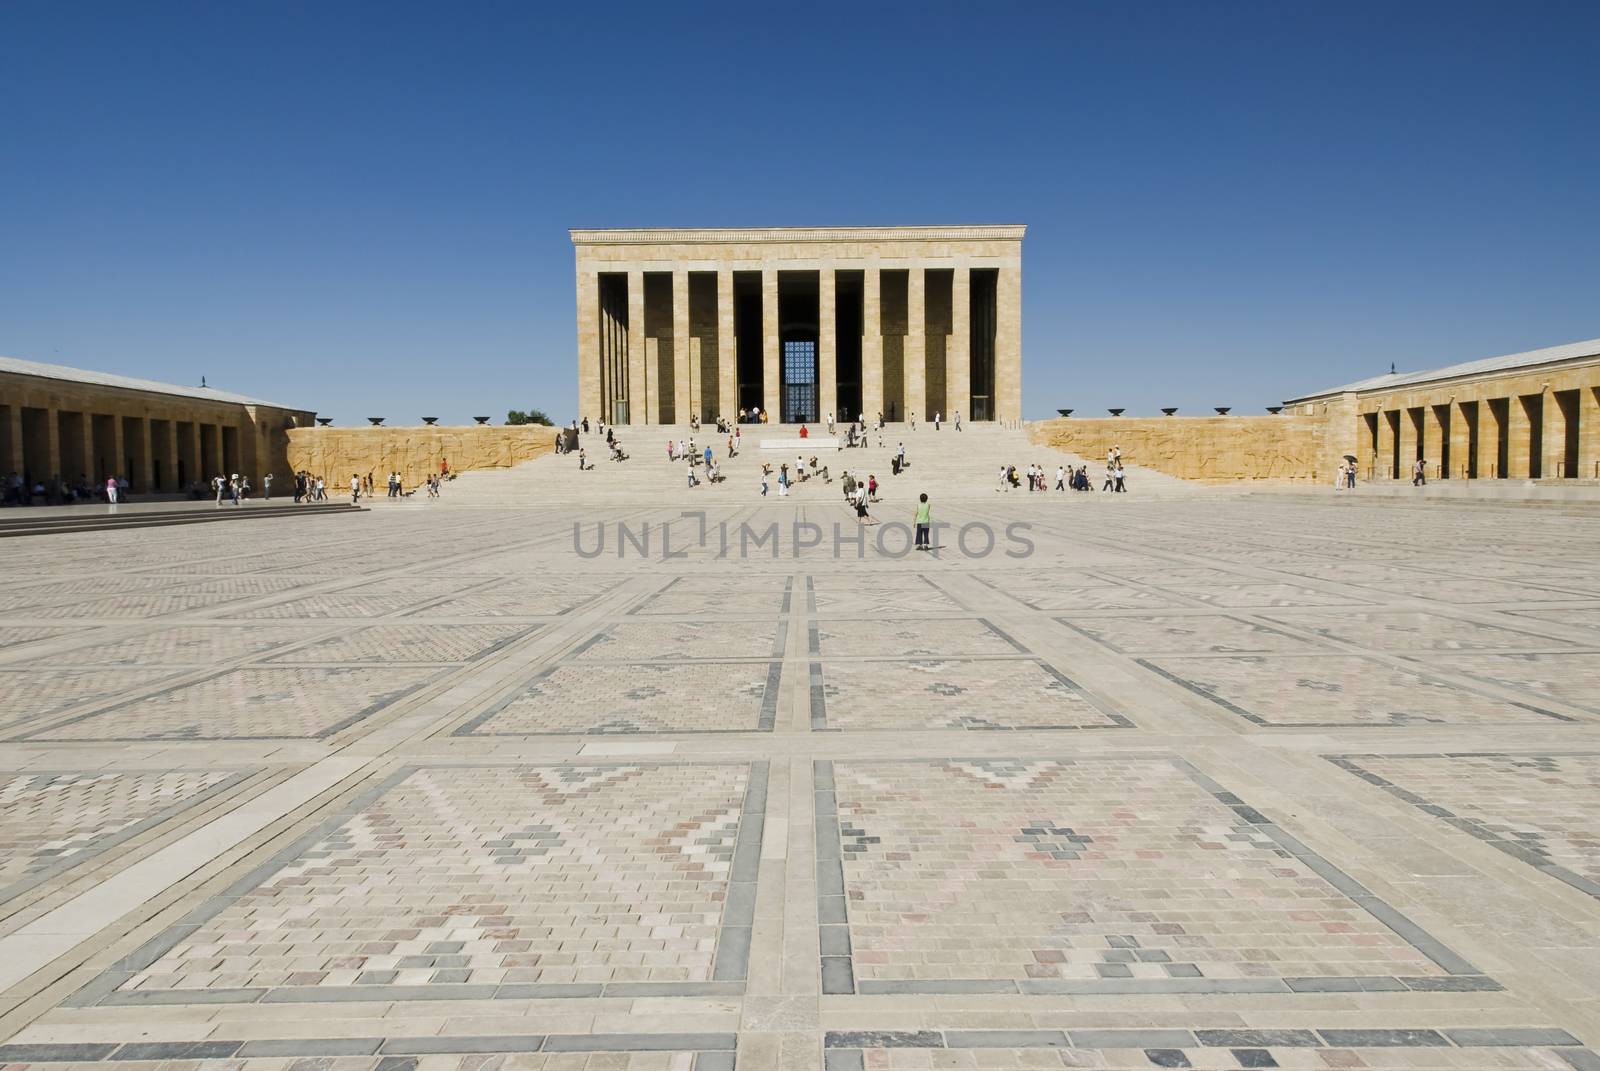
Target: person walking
{"x": 111, "y": 490}
{"x": 355, "y": 488}
{"x": 1419, "y": 473}
{"x": 924, "y": 522}
{"x": 935, "y": 421}
{"x": 266, "y": 488}
{"x": 958, "y": 420}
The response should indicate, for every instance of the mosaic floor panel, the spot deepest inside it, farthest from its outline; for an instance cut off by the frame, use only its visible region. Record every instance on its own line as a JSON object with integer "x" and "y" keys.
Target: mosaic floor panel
{"x": 1541, "y": 809}
{"x": 646, "y": 697}
{"x": 409, "y": 643}
{"x": 1186, "y": 634}
{"x": 911, "y": 639}
{"x": 644, "y": 641}
{"x": 1328, "y": 691}
{"x": 249, "y": 704}
{"x": 51, "y": 822}
{"x": 1104, "y": 875}
{"x": 954, "y": 693}
{"x": 1405, "y": 631}
{"x": 482, "y": 882}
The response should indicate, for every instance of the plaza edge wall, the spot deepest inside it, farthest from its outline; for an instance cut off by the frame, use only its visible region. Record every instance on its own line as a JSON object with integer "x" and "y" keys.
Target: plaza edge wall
{"x": 1299, "y": 446}
{"x": 414, "y": 452}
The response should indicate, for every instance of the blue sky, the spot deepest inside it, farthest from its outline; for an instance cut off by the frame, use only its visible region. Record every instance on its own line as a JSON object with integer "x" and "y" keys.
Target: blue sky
{"x": 362, "y": 208}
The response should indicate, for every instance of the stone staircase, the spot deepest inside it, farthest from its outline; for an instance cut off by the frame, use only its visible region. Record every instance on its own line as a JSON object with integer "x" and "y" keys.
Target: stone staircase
{"x": 953, "y": 464}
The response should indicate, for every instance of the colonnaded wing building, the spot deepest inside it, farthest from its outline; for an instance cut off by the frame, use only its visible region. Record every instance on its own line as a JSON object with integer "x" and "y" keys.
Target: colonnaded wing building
{"x": 800, "y": 322}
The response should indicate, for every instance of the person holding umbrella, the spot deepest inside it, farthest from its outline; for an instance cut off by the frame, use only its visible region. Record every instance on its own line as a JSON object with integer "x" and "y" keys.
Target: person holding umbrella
{"x": 1350, "y": 473}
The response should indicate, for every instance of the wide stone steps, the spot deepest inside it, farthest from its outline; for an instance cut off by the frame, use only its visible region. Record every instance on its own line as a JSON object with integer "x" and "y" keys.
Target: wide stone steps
{"x": 46, "y": 520}
{"x": 948, "y": 463}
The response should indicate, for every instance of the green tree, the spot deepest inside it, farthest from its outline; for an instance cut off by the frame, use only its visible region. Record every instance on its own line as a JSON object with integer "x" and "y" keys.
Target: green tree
{"x": 532, "y": 416}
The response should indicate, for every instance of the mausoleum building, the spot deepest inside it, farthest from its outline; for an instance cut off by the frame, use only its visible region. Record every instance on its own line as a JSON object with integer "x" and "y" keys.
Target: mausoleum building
{"x": 800, "y": 323}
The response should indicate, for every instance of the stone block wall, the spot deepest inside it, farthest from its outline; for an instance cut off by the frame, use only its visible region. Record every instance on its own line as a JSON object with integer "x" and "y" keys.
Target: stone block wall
{"x": 414, "y": 452}
{"x": 1282, "y": 447}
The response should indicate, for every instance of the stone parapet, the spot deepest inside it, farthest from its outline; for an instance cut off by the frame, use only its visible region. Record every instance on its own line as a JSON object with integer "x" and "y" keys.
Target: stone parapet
{"x": 414, "y": 452}
{"x": 1221, "y": 448}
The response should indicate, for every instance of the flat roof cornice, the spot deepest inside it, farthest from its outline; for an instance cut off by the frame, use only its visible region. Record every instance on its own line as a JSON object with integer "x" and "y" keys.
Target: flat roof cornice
{"x": 758, "y": 235}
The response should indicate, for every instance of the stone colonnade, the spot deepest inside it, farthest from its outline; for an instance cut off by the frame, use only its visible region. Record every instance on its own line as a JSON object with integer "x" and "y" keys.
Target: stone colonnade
{"x": 1539, "y": 423}
{"x": 160, "y": 442}
{"x": 906, "y": 322}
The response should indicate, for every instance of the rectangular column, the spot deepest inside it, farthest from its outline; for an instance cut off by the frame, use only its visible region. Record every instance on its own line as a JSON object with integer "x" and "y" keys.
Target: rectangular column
{"x": 52, "y": 431}
{"x": 169, "y": 471}
{"x": 641, "y": 377}
{"x": 1488, "y": 441}
{"x": 144, "y": 479}
{"x": 1518, "y": 433}
{"x": 589, "y": 401}
{"x": 1008, "y": 346}
{"x": 1460, "y": 441}
{"x": 1433, "y": 441}
{"x": 219, "y": 454}
{"x": 1589, "y": 433}
{"x": 1408, "y": 443}
{"x": 1386, "y": 429}
{"x": 958, "y": 358}
{"x": 1553, "y": 462}
{"x": 827, "y": 343}
{"x": 916, "y": 352}
{"x": 684, "y": 399}
{"x": 117, "y": 463}
{"x": 871, "y": 344}
{"x": 727, "y": 347}
{"x": 16, "y": 452}
{"x": 771, "y": 358}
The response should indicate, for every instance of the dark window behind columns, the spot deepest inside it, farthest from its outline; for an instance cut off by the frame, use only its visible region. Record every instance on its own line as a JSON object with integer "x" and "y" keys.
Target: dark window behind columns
{"x": 983, "y": 326}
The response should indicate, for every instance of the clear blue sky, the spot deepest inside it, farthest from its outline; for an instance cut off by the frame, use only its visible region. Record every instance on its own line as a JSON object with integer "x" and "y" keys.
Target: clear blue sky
{"x": 362, "y": 208}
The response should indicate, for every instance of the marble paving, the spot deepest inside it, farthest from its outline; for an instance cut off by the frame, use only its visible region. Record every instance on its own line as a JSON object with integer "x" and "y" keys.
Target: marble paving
{"x": 1219, "y": 781}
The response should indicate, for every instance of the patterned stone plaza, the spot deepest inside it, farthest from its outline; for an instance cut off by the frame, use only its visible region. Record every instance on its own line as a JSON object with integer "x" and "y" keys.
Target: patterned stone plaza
{"x": 1219, "y": 781}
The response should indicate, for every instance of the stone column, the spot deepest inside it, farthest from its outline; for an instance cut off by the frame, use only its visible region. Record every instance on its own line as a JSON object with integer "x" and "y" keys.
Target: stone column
{"x": 170, "y": 469}
{"x": 771, "y": 357}
{"x": 15, "y": 441}
{"x": 727, "y": 347}
{"x": 219, "y": 453}
{"x": 1518, "y": 434}
{"x": 1460, "y": 441}
{"x": 589, "y": 401}
{"x": 1552, "y": 462}
{"x": 684, "y": 397}
{"x": 871, "y": 344}
{"x": 641, "y": 377}
{"x": 827, "y": 343}
{"x": 916, "y": 351}
{"x": 958, "y": 357}
{"x": 1384, "y": 470}
{"x": 52, "y": 438}
{"x": 1589, "y": 433}
{"x": 1008, "y": 346}
{"x": 87, "y": 446}
{"x": 1408, "y": 443}
{"x": 145, "y": 479}
{"x": 1488, "y": 441}
{"x": 119, "y": 451}
{"x": 1433, "y": 442}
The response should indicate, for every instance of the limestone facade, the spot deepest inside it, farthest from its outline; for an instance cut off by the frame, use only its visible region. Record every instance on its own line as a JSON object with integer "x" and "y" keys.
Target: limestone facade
{"x": 1215, "y": 448}
{"x": 72, "y": 423}
{"x": 1533, "y": 415}
{"x": 799, "y": 322}
{"x": 415, "y": 453}
{"x": 1523, "y": 416}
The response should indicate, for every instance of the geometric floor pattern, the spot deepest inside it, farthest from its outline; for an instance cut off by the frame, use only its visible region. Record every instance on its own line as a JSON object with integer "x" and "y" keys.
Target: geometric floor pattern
{"x": 1221, "y": 781}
